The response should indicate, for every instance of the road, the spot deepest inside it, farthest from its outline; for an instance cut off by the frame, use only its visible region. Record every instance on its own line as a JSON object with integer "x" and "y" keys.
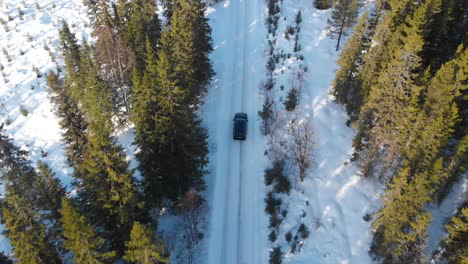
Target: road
{"x": 238, "y": 226}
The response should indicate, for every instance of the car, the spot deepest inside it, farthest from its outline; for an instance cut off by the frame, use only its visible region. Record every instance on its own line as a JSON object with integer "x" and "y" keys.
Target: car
{"x": 240, "y": 126}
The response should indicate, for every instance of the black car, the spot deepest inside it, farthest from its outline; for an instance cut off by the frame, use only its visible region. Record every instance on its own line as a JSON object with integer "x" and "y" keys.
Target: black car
{"x": 240, "y": 126}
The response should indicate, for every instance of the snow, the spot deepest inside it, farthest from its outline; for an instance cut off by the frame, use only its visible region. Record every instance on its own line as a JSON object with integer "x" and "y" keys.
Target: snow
{"x": 237, "y": 230}
{"x": 443, "y": 212}
{"x": 331, "y": 201}
{"x": 338, "y": 197}
{"x": 25, "y": 42}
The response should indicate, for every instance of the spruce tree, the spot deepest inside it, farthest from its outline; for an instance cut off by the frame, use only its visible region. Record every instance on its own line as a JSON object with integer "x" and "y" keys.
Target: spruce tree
{"x": 189, "y": 49}
{"x": 393, "y": 100}
{"x": 71, "y": 51}
{"x": 71, "y": 121}
{"x": 143, "y": 247}
{"x": 143, "y": 23}
{"x": 322, "y": 4}
{"x": 145, "y": 105}
{"x": 346, "y": 86}
{"x": 457, "y": 240}
{"x": 26, "y": 233}
{"x": 80, "y": 237}
{"x": 343, "y": 17}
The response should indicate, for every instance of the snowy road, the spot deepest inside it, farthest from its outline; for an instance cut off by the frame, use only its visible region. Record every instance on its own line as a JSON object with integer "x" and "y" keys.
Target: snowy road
{"x": 237, "y": 232}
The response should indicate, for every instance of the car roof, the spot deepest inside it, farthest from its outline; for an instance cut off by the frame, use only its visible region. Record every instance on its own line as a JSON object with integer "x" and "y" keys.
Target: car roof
{"x": 240, "y": 115}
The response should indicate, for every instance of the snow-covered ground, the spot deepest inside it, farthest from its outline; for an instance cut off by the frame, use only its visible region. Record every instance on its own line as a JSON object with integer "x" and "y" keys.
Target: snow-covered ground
{"x": 237, "y": 226}
{"x": 333, "y": 196}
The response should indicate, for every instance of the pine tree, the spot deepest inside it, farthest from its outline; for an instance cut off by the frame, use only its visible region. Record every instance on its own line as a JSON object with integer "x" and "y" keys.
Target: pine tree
{"x": 144, "y": 105}
{"x": 346, "y": 86}
{"x": 343, "y": 17}
{"x": 402, "y": 223}
{"x": 107, "y": 188}
{"x": 80, "y": 238}
{"x": 457, "y": 240}
{"x": 26, "y": 233}
{"x": 393, "y": 100}
{"x": 50, "y": 188}
{"x": 189, "y": 49}
{"x": 71, "y": 120}
{"x": 71, "y": 51}
{"x": 143, "y": 23}
{"x": 143, "y": 248}
{"x": 322, "y": 4}
{"x": 183, "y": 147}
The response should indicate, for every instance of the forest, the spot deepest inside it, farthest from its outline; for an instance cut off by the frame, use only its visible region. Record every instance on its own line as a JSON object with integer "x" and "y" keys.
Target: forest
{"x": 402, "y": 78}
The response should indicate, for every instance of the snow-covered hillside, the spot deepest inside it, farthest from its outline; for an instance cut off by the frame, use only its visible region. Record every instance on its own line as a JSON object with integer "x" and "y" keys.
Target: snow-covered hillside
{"x": 332, "y": 201}
{"x": 29, "y": 39}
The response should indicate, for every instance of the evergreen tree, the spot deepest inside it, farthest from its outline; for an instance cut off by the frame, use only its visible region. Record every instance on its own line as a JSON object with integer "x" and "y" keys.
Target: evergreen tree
{"x": 344, "y": 16}
{"x": 189, "y": 48}
{"x": 71, "y": 51}
{"x": 346, "y": 86}
{"x": 106, "y": 188}
{"x": 457, "y": 240}
{"x": 143, "y": 23}
{"x": 322, "y": 4}
{"x": 26, "y": 233}
{"x": 183, "y": 148}
{"x": 51, "y": 191}
{"x": 145, "y": 106}
{"x": 80, "y": 238}
{"x": 143, "y": 248}
{"x": 71, "y": 120}
{"x": 402, "y": 223}
{"x": 393, "y": 100}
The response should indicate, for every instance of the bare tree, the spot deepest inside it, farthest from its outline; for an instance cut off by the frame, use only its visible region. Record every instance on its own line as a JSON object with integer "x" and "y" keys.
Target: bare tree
{"x": 300, "y": 147}
{"x": 193, "y": 213}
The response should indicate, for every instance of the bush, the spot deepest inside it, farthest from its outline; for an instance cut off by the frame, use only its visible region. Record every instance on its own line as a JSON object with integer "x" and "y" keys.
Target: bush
{"x": 272, "y": 237}
{"x": 367, "y": 217}
{"x": 298, "y": 18}
{"x": 267, "y": 116}
{"x": 20, "y": 14}
{"x": 275, "y": 221}
{"x": 283, "y": 185}
{"x": 322, "y": 4}
{"x": 284, "y": 213}
{"x": 23, "y": 110}
{"x": 272, "y": 204}
{"x": 8, "y": 121}
{"x": 276, "y": 256}
{"x": 273, "y": 173}
{"x": 303, "y": 231}
{"x": 291, "y": 100}
{"x": 293, "y": 247}
{"x": 37, "y": 71}
{"x": 288, "y": 236}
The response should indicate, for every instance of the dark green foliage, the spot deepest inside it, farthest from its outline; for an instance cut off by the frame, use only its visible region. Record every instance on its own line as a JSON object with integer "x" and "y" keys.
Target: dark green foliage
{"x": 272, "y": 236}
{"x": 267, "y": 115}
{"x": 322, "y": 4}
{"x": 276, "y": 256}
{"x": 457, "y": 240}
{"x": 143, "y": 248}
{"x": 71, "y": 120}
{"x": 272, "y": 204}
{"x": 275, "y": 221}
{"x": 288, "y": 236}
{"x": 4, "y": 258}
{"x": 292, "y": 100}
{"x": 26, "y": 233}
{"x": 142, "y": 24}
{"x": 346, "y": 86}
{"x": 343, "y": 17}
{"x": 303, "y": 231}
{"x": 80, "y": 237}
